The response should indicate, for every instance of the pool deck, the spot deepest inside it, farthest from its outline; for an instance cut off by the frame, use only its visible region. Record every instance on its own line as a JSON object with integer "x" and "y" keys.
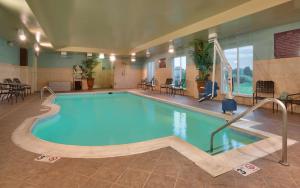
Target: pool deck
{"x": 160, "y": 168}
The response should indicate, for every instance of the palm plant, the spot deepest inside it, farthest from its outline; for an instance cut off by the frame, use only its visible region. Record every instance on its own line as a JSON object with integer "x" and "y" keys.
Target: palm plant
{"x": 202, "y": 52}
{"x": 88, "y": 65}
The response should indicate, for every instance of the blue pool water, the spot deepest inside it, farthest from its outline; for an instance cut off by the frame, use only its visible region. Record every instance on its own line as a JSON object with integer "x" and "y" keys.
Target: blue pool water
{"x": 121, "y": 118}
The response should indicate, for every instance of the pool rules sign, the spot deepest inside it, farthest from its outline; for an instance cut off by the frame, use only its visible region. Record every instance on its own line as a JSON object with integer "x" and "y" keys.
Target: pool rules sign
{"x": 247, "y": 169}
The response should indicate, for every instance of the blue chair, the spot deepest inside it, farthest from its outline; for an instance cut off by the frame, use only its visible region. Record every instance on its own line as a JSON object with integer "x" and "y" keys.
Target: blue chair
{"x": 208, "y": 91}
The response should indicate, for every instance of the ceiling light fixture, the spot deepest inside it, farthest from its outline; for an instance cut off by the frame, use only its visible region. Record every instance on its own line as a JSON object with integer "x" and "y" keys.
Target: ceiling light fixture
{"x": 133, "y": 57}
{"x": 101, "y": 56}
{"x": 112, "y": 57}
{"x": 38, "y": 36}
{"x": 36, "y": 47}
{"x": 63, "y": 54}
{"x": 171, "y": 47}
{"x": 46, "y": 44}
{"x": 21, "y": 35}
{"x": 89, "y": 54}
{"x": 147, "y": 53}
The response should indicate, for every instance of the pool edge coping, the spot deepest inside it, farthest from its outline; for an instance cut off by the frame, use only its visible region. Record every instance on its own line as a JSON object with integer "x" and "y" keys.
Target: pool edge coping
{"x": 213, "y": 164}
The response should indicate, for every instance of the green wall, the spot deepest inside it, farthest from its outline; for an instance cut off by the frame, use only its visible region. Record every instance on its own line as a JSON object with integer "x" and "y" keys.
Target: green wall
{"x": 8, "y": 54}
{"x": 54, "y": 59}
{"x": 262, "y": 41}
{"x": 11, "y": 54}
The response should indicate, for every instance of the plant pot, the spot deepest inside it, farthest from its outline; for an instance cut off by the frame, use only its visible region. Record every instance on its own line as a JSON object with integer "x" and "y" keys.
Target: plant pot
{"x": 90, "y": 83}
{"x": 201, "y": 86}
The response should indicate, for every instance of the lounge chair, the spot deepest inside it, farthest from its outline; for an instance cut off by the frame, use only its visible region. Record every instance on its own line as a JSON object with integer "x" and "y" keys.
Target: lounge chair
{"x": 15, "y": 89}
{"x": 290, "y": 99}
{"x": 178, "y": 86}
{"x": 151, "y": 84}
{"x": 208, "y": 91}
{"x": 263, "y": 89}
{"x": 295, "y": 100}
{"x": 142, "y": 84}
{"x": 166, "y": 85}
{"x": 26, "y": 86}
{"x": 4, "y": 91}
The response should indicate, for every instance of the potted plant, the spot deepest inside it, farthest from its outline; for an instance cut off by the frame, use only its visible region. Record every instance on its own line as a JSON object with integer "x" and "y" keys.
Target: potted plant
{"x": 202, "y": 52}
{"x": 88, "y": 65}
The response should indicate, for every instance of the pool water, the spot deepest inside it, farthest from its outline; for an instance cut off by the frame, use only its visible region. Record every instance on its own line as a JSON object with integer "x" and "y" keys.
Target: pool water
{"x": 121, "y": 118}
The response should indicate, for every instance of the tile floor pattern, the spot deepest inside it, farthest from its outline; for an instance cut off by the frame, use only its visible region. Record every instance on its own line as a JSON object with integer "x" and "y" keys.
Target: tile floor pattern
{"x": 161, "y": 168}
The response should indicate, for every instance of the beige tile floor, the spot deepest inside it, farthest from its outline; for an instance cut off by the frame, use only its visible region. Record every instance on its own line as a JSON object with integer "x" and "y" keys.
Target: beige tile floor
{"x": 160, "y": 168}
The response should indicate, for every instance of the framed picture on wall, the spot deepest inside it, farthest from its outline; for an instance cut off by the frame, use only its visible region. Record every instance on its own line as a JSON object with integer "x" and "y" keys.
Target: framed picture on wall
{"x": 286, "y": 44}
{"x": 162, "y": 63}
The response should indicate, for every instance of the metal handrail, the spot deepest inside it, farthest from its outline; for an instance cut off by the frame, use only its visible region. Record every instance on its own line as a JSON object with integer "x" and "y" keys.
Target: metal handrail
{"x": 283, "y": 160}
{"x": 49, "y": 89}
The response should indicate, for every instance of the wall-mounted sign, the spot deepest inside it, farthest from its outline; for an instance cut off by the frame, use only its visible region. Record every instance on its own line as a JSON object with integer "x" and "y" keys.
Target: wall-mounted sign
{"x": 287, "y": 44}
{"x": 162, "y": 63}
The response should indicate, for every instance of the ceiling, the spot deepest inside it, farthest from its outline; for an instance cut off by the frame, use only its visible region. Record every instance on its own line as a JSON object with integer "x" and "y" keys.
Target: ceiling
{"x": 120, "y": 26}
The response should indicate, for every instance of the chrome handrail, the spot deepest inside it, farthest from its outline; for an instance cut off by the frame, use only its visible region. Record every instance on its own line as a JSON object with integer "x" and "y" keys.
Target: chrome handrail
{"x": 49, "y": 89}
{"x": 283, "y": 160}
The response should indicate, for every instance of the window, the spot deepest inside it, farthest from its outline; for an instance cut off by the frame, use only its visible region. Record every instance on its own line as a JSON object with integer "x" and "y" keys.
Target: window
{"x": 179, "y": 70}
{"x": 150, "y": 71}
{"x": 241, "y": 61}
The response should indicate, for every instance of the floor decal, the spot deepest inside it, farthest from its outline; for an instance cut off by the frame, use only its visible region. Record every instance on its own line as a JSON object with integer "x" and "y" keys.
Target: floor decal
{"x": 246, "y": 169}
{"x": 47, "y": 159}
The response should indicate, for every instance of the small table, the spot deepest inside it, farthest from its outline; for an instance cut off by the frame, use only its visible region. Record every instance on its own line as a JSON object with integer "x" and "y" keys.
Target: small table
{"x": 287, "y": 102}
{"x": 174, "y": 89}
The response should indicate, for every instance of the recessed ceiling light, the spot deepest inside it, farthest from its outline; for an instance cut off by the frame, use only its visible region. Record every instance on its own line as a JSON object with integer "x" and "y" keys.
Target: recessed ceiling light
{"x": 36, "y": 47}
{"x": 112, "y": 57}
{"x": 21, "y": 35}
{"x": 63, "y": 53}
{"x": 38, "y": 36}
{"x": 133, "y": 59}
{"x": 101, "y": 56}
{"x": 147, "y": 53}
{"x": 46, "y": 44}
{"x": 171, "y": 47}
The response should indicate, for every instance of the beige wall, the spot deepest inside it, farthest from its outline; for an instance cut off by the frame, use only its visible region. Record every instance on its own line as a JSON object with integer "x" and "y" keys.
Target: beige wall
{"x": 24, "y": 73}
{"x": 161, "y": 74}
{"x": 45, "y": 75}
{"x": 103, "y": 78}
{"x": 284, "y": 72}
{"x": 126, "y": 75}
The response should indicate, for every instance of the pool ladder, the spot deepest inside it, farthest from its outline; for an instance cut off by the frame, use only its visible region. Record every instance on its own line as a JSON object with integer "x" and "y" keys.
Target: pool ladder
{"x": 49, "y": 89}
{"x": 283, "y": 160}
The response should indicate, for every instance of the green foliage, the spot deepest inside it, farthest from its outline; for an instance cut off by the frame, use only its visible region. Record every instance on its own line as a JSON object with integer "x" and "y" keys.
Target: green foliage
{"x": 247, "y": 71}
{"x": 202, "y": 53}
{"x": 88, "y": 65}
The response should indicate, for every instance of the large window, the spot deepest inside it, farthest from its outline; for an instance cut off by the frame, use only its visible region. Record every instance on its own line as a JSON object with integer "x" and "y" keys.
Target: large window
{"x": 241, "y": 61}
{"x": 150, "y": 71}
{"x": 179, "y": 70}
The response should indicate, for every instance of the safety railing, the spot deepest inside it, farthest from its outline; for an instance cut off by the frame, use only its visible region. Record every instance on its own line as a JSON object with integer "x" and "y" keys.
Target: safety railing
{"x": 283, "y": 160}
{"x": 49, "y": 89}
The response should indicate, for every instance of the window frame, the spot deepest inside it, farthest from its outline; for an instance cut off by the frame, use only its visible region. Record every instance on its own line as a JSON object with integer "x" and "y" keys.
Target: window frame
{"x": 173, "y": 67}
{"x": 152, "y": 64}
{"x": 238, "y": 72}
